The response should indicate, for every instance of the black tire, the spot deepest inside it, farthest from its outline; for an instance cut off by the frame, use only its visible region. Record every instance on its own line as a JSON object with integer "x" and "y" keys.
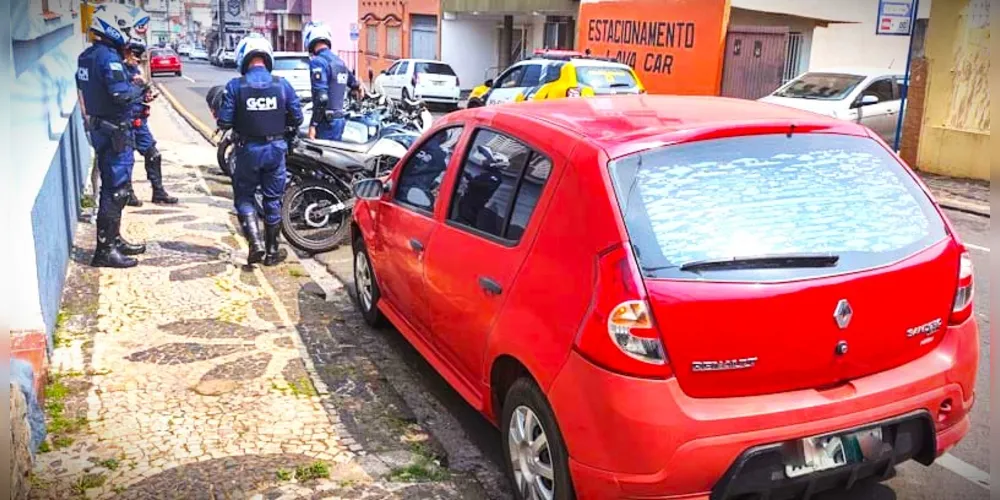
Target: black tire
{"x": 475, "y": 102}
{"x": 369, "y": 309}
{"x": 179, "y": 73}
{"x": 291, "y": 220}
{"x": 524, "y": 393}
{"x": 405, "y": 94}
{"x": 222, "y": 155}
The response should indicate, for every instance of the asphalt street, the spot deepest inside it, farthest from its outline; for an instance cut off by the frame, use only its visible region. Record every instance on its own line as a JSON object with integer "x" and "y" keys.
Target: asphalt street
{"x": 957, "y": 475}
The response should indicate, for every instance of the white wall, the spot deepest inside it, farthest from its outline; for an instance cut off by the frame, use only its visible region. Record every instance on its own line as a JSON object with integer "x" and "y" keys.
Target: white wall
{"x": 338, "y": 15}
{"x": 470, "y": 47}
{"x": 857, "y": 44}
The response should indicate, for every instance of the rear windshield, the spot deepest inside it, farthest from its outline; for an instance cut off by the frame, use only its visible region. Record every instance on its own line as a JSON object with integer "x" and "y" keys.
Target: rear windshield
{"x": 291, "y": 63}
{"x": 434, "y": 68}
{"x": 605, "y": 77}
{"x": 161, "y": 53}
{"x": 825, "y": 86}
{"x": 771, "y": 195}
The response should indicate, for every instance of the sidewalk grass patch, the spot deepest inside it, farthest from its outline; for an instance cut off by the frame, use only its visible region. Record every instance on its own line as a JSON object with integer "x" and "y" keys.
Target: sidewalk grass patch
{"x": 284, "y": 475}
{"x": 315, "y": 470}
{"x": 110, "y": 464}
{"x": 87, "y": 481}
{"x": 421, "y": 471}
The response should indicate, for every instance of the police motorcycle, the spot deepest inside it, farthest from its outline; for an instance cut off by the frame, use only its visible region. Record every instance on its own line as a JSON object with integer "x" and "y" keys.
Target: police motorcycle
{"x": 317, "y": 205}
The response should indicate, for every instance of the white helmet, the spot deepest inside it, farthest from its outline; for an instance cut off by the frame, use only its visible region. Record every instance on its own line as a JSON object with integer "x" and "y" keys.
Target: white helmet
{"x": 112, "y": 22}
{"x": 252, "y": 45}
{"x": 140, "y": 21}
{"x": 316, "y": 32}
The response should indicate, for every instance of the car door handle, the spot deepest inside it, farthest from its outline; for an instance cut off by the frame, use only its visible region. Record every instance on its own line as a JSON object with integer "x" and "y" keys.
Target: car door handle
{"x": 416, "y": 245}
{"x": 489, "y": 286}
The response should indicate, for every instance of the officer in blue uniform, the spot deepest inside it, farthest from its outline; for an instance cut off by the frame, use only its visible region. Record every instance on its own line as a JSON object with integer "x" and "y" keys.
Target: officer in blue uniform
{"x": 260, "y": 108}
{"x": 144, "y": 141}
{"x": 330, "y": 81}
{"x": 108, "y": 96}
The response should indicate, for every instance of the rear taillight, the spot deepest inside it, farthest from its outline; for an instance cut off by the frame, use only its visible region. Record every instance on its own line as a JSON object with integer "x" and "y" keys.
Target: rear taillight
{"x": 573, "y": 92}
{"x": 620, "y": 333}
{"x": 458, "y": 83}
{"x": 961, "y": 309}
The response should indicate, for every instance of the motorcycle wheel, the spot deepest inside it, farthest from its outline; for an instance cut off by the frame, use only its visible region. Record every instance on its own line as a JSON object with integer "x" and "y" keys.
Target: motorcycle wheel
{"x": 304, "y": 222}
{"x": 224, "y": 155}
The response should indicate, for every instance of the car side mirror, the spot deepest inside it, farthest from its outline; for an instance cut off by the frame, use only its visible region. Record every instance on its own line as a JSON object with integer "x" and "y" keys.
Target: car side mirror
{"x": 488, "y": 83}
{"x": 867, "y": 100}
{"x": 369, "y": 189}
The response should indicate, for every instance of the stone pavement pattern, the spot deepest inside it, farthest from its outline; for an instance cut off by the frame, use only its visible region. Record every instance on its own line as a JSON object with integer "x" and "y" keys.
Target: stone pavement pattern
{"x": 186, "y": 377}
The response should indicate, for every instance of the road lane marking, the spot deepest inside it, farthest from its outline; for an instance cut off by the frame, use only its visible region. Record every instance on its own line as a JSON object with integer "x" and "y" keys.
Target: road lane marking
{"x": 188, "y": 78}
{"x": 950, "y": 462}
{"x": 977, "y": 247}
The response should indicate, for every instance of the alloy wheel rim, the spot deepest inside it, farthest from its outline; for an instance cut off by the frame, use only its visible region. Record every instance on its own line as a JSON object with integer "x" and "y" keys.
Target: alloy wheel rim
{"x": 363, "y": 280}
{"x": 530, "y": 456}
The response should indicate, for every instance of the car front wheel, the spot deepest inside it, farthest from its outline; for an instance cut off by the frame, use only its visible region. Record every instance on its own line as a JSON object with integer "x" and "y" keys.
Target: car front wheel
{"x": 536, "y": 457}
{"x": 366, "y": 288}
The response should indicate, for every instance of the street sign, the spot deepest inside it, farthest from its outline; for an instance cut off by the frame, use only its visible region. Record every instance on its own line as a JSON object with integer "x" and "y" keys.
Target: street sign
{"x": 355, "y": 32}
{"x": 895, "y": 17}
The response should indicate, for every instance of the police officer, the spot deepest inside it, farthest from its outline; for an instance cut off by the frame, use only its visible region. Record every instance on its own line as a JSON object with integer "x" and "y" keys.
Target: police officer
{"x": 330, "y": 81}
{"x": 108, "y": 96}
{"x": 260, "y": 108}
{"x": 144, "y": 141}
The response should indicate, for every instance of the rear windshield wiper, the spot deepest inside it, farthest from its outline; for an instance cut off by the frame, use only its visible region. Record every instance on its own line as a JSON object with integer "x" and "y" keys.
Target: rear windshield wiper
{"x": 784, "y": 261}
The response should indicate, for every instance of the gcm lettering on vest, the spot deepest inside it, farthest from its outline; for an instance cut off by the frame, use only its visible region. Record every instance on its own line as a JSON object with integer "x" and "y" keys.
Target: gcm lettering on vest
{"x": 262, "y": 103}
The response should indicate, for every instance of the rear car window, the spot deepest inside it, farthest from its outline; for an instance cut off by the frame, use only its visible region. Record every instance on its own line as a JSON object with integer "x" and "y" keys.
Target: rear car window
{"x": 291, "y": 63}
{"x": 771, "y": 195}
{"x": 433, "y": 68}
{"x": 824, "y": 86}
{"x": 161, "y": 53}
{"x": 605, "y": 77}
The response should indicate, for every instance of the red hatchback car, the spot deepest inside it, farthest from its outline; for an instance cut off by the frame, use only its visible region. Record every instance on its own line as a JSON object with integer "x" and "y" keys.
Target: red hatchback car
{"x": 164, "y": 61}
{"x": 676, "y": 297}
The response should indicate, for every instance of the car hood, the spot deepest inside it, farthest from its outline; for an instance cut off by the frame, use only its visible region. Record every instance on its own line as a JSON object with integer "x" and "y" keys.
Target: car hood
{"x": 819, "y": 106}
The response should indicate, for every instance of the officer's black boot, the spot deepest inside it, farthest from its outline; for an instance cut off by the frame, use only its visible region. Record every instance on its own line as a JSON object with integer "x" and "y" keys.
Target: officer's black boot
{"x": 251, "y": 231}
{"x": 155, "y": 174}
{"x": 133, "y": 200}
{"x": 107, "y": 253}
{"x": 275, "y": 254}
{"x": 127, "y": 248}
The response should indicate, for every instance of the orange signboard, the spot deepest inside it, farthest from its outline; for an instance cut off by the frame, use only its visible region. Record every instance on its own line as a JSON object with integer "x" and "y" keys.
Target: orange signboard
{"x": 675, "y": 46}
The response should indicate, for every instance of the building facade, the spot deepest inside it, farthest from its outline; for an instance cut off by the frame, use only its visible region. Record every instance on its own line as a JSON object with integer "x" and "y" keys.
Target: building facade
{"x": 341, "y": 18}
{"x": 396, "y": 29}
{"x": 281, "y": 21}
{"x": 46, "y": 172}
{"x": 235, "y": 19}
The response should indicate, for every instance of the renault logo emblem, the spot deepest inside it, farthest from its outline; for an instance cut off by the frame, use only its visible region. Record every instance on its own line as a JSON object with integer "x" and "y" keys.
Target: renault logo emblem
{"x": 843, "y": 313}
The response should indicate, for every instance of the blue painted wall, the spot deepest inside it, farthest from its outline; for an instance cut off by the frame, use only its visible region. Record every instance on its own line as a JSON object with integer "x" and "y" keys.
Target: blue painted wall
{"x": 54, "y": 216}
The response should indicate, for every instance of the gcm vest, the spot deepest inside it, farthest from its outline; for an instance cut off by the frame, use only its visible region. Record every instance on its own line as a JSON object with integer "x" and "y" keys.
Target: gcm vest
{"x": 260, "y": 112}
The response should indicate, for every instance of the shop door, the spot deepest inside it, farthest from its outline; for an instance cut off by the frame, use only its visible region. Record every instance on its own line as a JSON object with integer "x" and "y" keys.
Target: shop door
{"x": 755, "y": 61}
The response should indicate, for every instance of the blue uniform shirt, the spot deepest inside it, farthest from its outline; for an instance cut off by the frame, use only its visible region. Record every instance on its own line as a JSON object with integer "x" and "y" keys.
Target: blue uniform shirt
{"x": 104, "y": 82}
{"x": 330, "y": 78}
{"x": 258, "y": 78}
{"x": 139, "y": 108}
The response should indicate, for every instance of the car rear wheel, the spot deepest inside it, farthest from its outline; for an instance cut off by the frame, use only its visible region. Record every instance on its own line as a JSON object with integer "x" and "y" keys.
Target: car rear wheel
{"x": 178, "y": 73}
{"x": 536, "y": 458}
{"x": 366, "y": 289}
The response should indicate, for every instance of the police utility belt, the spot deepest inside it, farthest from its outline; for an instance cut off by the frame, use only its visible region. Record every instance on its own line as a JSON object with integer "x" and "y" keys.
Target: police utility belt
{"x": 121, "y": 132}
{"x": 333, "y": 115}
{"x": 257, "y": 139}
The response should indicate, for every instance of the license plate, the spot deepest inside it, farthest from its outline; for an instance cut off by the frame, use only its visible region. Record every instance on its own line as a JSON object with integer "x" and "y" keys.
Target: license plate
{"x": 811, "y": 455}
{"x": 438, "y": 83}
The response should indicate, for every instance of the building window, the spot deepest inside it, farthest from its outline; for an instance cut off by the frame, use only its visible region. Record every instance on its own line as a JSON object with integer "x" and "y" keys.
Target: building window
{"x": 793, "y": 58}
{"x": 394, "y": 41}
{"x": 371, "y": 39}
{"x": 558, "y": 32}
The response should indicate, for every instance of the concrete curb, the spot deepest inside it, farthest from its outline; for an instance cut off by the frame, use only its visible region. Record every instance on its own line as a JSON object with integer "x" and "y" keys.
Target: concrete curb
{"x": 963, "y": 206}
{"x": 189, "y": 117}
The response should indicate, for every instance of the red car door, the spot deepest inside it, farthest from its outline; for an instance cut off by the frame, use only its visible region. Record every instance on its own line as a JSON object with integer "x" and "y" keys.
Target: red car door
{"x": 406, "y": 224}
{"x": 475, "y": 255}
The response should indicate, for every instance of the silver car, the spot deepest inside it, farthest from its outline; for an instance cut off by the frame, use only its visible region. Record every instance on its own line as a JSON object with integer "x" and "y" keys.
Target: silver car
{"x": 868, "y": 96}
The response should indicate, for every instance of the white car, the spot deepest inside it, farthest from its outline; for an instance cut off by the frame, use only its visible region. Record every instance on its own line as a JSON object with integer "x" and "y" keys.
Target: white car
{"x": 184, "y": 49}
{"x": 198, "y": 53}
{"x": 294, "y": 67}
{"x": 869, "y": 96}
{"x": 431, "y": 81}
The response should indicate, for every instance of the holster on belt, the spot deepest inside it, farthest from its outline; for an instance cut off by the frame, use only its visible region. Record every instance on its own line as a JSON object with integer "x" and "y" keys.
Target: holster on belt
{"x": 119, "y": 132}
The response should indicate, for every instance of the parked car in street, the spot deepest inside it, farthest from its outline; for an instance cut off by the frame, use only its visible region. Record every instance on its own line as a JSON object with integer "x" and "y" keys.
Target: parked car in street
{"x": 431, "y": 81}
{"x": 184, "y": 49}
{"x": 164, "y": 61}
{"x": 224, "y": 58}
{"x": 294, "y": 67}
{"x": 198, "y": 54}
{"x": 657, "y": 296}
{"x": 555, "y": 74}
{"x": 870, "y": 96}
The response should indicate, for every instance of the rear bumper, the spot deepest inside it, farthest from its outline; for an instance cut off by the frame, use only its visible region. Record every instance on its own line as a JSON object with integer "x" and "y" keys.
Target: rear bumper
{"x": 165, "y": 69}
{"x": 441, "y": 95}
{"x": 637, "y": 438}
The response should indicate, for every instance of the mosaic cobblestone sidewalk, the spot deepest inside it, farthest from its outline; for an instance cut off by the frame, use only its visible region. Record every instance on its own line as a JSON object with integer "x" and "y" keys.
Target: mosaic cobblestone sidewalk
{"x": 187, "y": 376}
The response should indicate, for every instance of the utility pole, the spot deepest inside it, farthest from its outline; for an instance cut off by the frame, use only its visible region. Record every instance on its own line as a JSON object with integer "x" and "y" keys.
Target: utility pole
{"x": 222, "y": 24}
{"x": 168, "y": 23}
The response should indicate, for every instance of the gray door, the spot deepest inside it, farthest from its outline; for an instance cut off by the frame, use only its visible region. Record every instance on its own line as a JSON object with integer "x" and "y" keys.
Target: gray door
{"x": 423, "y": 37}
{"x": 754, "y": 63}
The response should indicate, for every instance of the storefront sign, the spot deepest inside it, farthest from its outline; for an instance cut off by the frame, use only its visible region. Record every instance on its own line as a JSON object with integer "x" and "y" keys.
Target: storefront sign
{"x": 675, "y": 46}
